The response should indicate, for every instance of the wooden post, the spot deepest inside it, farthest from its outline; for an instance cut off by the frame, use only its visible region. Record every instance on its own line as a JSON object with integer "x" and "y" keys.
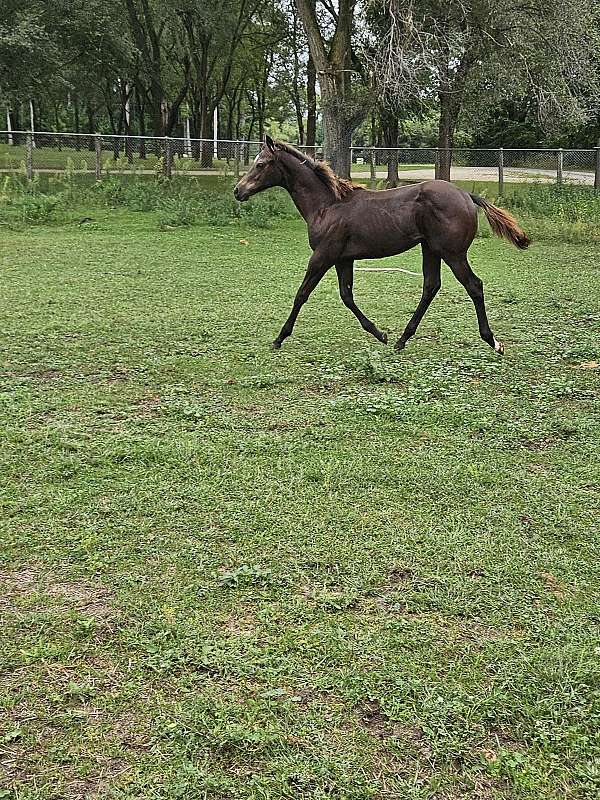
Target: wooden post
{"x": 29, "y": 155}
{"x": 98, "y": 149}
{"x": 168, "y": 158}
{"x": 559, "y": 167}
{"x": 597, "y": 174}
{"x": 501, "y": 172}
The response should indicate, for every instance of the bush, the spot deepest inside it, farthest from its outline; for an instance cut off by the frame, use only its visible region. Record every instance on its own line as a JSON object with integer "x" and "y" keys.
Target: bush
{"x": 24, "y": 204}
{"x": 567, "y": 202}
{"x": 178, "y": 211}
{"x": 567, "y": 213}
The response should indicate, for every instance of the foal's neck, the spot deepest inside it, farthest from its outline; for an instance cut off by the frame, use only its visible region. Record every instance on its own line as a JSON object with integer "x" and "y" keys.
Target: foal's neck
{"x": 307, "y": 190}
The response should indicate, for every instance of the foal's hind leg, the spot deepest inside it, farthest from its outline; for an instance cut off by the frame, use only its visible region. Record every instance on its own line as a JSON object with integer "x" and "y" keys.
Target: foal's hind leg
{"x": 474, "y": 287}
{"x": 345, "y": 272}
{"x": 431, "y": 286}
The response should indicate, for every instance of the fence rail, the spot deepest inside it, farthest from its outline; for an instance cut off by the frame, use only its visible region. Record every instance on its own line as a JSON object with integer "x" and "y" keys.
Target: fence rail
{"x": 102, "y": 154}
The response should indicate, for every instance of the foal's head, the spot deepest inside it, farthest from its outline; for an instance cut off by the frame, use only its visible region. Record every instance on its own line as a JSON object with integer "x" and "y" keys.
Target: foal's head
{"x": 274, "y": 166}
{"x": 264, "y": 173}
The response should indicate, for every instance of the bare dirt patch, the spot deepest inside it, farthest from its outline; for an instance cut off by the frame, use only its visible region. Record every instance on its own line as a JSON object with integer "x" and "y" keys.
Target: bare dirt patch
{"x": 554, "y": 585}
{"x": 372, "y": 717}
{"x": 239, "y": 624}
{"x": 45, "y": 375}
{"x": 33, "y": 583}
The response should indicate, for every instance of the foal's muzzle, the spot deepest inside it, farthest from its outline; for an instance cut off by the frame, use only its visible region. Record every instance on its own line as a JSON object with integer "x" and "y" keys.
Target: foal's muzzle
{"x": 240, "y": 195}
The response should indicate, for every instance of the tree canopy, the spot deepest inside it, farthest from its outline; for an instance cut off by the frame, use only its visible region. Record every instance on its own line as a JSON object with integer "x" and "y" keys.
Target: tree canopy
{"x": 325, "y": 72}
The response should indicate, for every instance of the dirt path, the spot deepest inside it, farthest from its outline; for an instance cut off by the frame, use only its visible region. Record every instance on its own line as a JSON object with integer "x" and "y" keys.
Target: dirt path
{"x": 511, "y": 175}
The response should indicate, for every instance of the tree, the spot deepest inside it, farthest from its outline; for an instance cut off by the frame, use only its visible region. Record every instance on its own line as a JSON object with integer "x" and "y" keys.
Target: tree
{"x": 160, "y": 54}
{"x": 342, "y": 100}
{"x": 213, "y": 37}
{"x": 468, "y": 54}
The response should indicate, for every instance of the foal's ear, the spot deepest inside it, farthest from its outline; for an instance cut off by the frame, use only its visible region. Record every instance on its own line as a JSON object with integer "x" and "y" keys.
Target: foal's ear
{"x": 270, "y": 143}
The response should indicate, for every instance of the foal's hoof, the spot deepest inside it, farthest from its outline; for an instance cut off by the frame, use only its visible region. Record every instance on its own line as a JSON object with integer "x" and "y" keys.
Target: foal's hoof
{"x": 276, "y": 345}
{"x": 383, "y": 338}
{"x": 498, "y": 347}
{"x": 400, "y": 345}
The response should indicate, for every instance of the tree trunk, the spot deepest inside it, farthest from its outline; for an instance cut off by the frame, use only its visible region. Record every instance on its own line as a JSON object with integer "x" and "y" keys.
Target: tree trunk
{"x": 445, "y": 138}
{"x": 311, "y": 99}
{"x": 299, "y": 120}
{"x": 341, "y": 112}
{"x": 195, "y": 128}
{"x": 249, "y": 138}
{"x": 239, "y": 118}
{"x": 76, "y": 113}
{"x": 338, "y": 140}
{"x": 449, "y": 111}
{"x": 390, "y": 138}
{"x": 156, "y": 101}
{"x": 206, "y": 134}
{"x": 141, "y": 124}
{"x": 91, "y": 126}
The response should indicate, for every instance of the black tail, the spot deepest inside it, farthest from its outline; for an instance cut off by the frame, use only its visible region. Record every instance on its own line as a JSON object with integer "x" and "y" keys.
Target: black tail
{"x": 502, "y": 223}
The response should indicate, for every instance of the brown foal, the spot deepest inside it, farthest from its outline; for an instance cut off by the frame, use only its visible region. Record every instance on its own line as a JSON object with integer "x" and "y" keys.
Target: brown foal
{"x": 346, "y": 222}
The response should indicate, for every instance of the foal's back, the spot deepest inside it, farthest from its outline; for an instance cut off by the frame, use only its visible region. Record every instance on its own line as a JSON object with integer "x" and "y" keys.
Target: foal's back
{"x": 388, "y": 222}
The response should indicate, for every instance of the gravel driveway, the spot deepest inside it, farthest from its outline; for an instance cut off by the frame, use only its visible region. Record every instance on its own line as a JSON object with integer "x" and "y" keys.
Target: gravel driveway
{"x": 511, "y": 175}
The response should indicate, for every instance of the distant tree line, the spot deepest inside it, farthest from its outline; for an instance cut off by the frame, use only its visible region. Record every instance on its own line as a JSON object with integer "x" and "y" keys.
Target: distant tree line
{"x": 327, "y": 72}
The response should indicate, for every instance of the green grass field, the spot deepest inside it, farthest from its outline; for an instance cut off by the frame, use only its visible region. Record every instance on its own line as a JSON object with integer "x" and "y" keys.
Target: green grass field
{"x": 327, "y": 572}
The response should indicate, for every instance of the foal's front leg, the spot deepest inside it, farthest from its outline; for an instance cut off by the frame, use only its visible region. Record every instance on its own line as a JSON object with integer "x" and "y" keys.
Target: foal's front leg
{"x": 345, "y": 272}
{"x": 317, "y": 267}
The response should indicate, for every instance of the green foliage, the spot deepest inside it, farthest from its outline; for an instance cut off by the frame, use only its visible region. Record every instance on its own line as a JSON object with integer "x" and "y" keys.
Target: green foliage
{"x": 179, "y": 202}
{"x": 568, "y": 203}
{"x": 178, "y": 210}
{"x": 567, "y": 213}
{"x": 246, "y": 575}
{"x": 24, "y": 204}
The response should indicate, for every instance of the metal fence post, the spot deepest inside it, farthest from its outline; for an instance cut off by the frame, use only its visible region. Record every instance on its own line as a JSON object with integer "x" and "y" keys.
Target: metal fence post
{"x": 501, "y": 172}
{"x": 559, "y": 167}
{"x": 597, "y": 173}
{"x": 29, "y": 155}
{"x": 168, "y": 158}
{"x": 98, "y": 149}
{"x": 372, "y": 172}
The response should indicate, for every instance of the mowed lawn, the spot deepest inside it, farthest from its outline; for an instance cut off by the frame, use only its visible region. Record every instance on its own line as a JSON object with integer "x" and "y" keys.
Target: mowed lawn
{"x": 327, "y": 572}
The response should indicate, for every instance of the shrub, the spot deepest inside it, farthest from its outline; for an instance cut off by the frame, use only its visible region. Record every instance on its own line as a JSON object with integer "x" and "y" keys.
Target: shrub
{"x": 177, "y": 211}
{"x": 567, "y": 213}
{"x": 24, "y": 204}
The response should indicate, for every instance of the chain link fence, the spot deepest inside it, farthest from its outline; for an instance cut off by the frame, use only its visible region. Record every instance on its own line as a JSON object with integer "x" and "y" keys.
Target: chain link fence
{"x": 490, "y": 164}
{"x": 101, "y": 154}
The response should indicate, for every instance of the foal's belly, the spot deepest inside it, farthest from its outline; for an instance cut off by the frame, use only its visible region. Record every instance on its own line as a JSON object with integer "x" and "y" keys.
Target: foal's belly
{"x": 362, "y": 247}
